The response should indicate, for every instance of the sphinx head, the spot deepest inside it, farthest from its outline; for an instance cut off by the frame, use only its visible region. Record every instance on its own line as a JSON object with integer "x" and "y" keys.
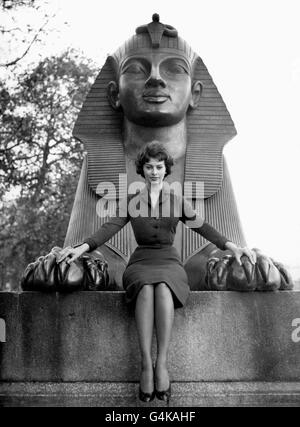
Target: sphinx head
{"x": 154, "y": 77}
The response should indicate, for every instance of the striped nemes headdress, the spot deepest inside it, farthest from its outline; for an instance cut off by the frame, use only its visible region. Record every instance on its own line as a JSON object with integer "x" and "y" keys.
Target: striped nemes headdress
{"x": 153, "y": 36}
{"x": 209, "y": 126}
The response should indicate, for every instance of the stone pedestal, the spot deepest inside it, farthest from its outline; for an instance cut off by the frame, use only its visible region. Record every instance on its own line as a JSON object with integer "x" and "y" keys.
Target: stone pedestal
{"x": 81, "y": 349}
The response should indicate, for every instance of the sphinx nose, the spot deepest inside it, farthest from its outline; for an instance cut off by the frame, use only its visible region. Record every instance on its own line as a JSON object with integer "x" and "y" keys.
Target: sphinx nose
{"x": 155, "y": 78}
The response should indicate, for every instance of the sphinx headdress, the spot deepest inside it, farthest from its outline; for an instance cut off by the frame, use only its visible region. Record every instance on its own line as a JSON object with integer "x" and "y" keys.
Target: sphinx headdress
{"x": 209, "y": 126}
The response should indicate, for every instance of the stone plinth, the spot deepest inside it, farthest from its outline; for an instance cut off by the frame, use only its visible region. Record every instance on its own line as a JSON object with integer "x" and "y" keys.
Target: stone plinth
{"x": 126, "y": 394}
{"x": 91, "y": 337}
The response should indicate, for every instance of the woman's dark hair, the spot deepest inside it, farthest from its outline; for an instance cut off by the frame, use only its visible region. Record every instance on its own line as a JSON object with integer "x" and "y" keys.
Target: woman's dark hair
{"x": 153, "y": 150}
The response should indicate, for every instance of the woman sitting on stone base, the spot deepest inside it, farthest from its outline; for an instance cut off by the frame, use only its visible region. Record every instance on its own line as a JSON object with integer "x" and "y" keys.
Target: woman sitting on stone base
{"x": 154, "y": 279}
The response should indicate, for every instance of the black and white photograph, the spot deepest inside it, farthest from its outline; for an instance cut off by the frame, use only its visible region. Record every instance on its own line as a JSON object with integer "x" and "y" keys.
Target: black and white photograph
{"x": 150, "y": 211}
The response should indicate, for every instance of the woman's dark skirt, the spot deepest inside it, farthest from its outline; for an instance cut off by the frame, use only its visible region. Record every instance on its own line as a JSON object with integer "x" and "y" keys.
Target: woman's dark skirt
{"x": 150, "y": 265}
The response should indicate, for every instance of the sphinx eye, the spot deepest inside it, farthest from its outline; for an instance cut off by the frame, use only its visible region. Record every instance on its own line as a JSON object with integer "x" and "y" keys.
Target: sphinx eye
{"x": 175, "y": 67}
{"x": 134, "y": 68}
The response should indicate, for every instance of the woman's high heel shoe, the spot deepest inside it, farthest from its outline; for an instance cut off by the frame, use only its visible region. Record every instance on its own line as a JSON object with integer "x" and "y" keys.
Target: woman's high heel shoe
{"x": 164, "y": 395}
{"x": 146, "y": 397}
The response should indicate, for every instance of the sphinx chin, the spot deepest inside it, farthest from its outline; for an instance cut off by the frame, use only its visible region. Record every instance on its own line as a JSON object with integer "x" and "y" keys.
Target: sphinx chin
{"x": 155, "y": 119}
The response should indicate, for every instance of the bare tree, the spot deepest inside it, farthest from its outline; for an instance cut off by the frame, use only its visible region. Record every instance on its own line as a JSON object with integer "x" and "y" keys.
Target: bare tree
{"x": 16, "y": 36}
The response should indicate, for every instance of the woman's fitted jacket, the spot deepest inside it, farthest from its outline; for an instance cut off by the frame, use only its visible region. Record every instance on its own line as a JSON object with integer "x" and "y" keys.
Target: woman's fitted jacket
{"x": 155, "y": 227}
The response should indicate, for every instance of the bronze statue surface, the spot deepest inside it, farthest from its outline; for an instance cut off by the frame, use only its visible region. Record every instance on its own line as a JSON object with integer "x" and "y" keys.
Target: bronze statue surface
{"x": 155, "y": 87}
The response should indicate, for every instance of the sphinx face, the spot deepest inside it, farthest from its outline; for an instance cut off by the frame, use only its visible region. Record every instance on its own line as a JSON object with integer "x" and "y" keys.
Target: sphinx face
{"x": 155, "y": 89}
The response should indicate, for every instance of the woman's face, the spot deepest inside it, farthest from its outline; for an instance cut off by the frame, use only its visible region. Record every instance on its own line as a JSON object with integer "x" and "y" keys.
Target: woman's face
{"x": 154, "y": 171}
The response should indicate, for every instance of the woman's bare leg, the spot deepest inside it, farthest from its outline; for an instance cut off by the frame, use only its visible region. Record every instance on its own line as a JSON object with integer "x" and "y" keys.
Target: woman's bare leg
{"x": 164, "y": 317}
{"x": 144, "y": 317}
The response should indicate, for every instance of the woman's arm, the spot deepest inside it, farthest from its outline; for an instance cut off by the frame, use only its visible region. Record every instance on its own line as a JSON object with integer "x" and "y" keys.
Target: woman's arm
{"x": 211, "y": 234}
{"x": 192, "y": 220}
{"x": 197, "y": 224}
{"x": 101, "y": 236}
{"x": 106, "y": 232}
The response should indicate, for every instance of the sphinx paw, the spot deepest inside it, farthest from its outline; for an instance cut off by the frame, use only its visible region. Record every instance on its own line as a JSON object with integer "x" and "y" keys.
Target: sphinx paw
{"x": 47, "y": 275}
{"x": 217, "y": 272}
{"x": 96, "y": 272}
{"x": 225, "y": 273}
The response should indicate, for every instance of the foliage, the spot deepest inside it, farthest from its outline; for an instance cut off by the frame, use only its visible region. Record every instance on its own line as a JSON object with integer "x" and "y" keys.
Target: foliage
{"x": 12, "y": 4}
{"x": 23, "y": 24}
{"x": 40, "y": 160}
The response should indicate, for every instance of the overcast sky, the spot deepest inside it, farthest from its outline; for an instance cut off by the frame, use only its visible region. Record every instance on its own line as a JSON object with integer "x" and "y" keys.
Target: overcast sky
{"x": 251, "y": 49}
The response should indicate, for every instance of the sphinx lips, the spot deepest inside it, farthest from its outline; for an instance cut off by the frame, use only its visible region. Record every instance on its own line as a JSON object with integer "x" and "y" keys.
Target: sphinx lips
{"x": 156, "y": 97}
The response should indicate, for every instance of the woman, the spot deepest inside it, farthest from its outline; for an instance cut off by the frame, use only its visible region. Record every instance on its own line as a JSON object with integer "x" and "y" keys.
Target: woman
{"x": 154, "y": 279}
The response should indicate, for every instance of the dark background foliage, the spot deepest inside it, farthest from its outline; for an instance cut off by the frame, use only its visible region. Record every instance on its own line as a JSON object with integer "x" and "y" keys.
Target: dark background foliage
{"x": 40, "y": 160}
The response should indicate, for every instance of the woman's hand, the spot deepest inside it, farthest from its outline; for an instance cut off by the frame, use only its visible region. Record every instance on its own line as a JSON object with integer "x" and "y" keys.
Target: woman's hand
{"x": 238, "y": 252}
{"x": 73, "y": 253}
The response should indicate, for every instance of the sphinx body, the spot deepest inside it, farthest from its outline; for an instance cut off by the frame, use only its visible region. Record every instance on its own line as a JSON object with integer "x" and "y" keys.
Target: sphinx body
{"x": 155, "y": 88}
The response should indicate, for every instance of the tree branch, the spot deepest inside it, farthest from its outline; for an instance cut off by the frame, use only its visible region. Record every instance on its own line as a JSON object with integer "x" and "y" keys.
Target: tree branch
{"x": 57, "y": 142}
{"x": 3, "y": 31}
{"x": 14, "y": 62}
{"x": 28, "y": 157}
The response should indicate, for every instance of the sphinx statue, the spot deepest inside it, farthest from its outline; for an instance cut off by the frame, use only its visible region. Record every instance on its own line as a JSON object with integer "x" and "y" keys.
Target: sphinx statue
{"x": 155, "y": 87}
